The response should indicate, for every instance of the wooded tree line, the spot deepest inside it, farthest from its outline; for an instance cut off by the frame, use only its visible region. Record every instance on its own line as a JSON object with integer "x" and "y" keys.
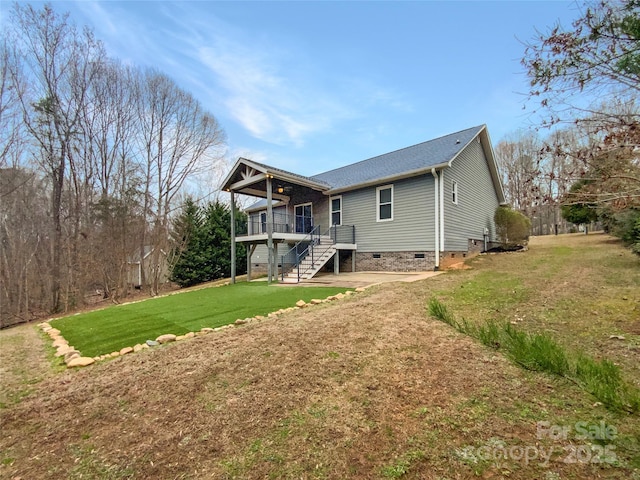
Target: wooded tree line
{"x": 94, "y": 158}
{"x": 583, "y": 153}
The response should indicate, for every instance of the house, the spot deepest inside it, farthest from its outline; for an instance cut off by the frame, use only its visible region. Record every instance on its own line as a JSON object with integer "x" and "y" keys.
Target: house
{"x": 413, "y": 209}
{"x": 152, "y": 271}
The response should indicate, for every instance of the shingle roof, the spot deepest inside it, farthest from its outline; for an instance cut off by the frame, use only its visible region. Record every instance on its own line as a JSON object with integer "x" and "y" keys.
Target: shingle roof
{"x": 408, "y": 160}
{"x": 417, "y": 157}
{"x": 269, "y": 168}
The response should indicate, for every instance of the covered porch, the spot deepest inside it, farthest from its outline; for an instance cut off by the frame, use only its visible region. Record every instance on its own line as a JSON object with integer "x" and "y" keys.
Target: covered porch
{"x": 292, "y": 207}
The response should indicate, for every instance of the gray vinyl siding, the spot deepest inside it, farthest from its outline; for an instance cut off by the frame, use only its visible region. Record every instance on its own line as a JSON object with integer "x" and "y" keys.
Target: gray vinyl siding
{"x": 261, "y": 254}
{"x": 320, "y": 211}
{"x": 412, "y": 226}
{"x": 477, "y": 199}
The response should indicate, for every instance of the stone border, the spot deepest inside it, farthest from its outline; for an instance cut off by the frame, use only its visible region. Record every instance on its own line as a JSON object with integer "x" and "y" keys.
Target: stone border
{"x": 73, "y": 358}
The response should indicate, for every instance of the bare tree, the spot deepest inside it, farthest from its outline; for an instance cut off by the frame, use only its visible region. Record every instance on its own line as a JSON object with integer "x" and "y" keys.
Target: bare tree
{"x": 23, "y": 210}
{"x": 518, "y": 156}
{"x": 12, "y": 132}
{"x": 597, "y": 56}
{"x": 60, "y": 63}
{"x": 94, "y": 157}
{"x": 178, "y": 139}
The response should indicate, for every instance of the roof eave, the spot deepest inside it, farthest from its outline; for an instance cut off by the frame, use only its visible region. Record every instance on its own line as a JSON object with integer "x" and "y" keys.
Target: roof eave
{"x": 273, "y": 173}
{"x": 485, "y": 141}
{"x": 391, "y": 178}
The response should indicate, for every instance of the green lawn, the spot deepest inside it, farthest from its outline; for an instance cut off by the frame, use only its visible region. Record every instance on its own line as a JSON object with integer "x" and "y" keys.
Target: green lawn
{"x": 111, "y": 329}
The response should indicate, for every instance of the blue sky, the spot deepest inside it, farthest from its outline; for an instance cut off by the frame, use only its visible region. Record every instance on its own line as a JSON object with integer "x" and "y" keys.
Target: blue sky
{"x": 310, "y": 86}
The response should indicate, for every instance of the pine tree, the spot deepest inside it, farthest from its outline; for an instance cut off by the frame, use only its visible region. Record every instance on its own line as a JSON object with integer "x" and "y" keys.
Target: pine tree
{"x": 187, "y": 233}
{"x": 202, "y": 236}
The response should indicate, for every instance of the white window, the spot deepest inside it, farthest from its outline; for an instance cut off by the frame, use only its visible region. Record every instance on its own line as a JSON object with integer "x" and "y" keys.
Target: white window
{"x": 384, "y": 212}
{"x": 454, "y": 192}
{"x": 336, "y": 210}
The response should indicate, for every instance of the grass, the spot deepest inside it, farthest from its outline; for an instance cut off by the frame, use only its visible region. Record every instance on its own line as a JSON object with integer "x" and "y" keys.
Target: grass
{"x": 113, "y": 328}
{"x": 540, "y": 352}
{"x": 367, "y": 388}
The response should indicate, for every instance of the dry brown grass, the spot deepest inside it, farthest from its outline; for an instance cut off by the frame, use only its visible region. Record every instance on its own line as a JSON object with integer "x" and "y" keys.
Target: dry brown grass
{"x": 366, "y": 388}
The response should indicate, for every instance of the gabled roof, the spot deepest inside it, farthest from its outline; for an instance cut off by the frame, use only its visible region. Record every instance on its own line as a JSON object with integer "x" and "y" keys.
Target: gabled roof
{"x": 236, "y": 175}
{"x": 401, "y": 163}
{"x": 404, "y": 163}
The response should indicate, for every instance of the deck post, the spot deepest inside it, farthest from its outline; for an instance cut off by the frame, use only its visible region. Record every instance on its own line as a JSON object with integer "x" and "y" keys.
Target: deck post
{"x": 336, "y": 262}
{"x": 250, "y": 250}
{"x": 233, "y": 237}
{"x": 269, "y": 230}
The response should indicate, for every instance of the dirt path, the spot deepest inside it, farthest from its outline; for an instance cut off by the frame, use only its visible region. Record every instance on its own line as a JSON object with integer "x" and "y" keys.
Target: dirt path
{"x": 23, "y": 362}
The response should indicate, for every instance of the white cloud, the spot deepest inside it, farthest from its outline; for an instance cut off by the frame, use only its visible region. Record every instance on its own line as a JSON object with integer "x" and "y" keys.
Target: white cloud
{"x": 271, "y": 88}
{"x": 270, "y": 105}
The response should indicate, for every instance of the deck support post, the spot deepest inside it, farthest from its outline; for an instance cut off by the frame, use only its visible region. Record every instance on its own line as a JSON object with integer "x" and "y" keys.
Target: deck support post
{"x": 233, "y": 237}
{"x": 269, "y": 230}
{"x": 250, "y": 251}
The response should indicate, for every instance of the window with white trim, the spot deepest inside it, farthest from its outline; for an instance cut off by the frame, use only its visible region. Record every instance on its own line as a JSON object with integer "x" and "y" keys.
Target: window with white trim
{"x": 454, "y": 192}
{"x": 336, "y": 210}
{"x": 384, "y": 212}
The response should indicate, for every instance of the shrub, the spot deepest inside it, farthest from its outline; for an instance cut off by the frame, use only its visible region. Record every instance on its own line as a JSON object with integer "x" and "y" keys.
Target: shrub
{"x": 512, "y": 226}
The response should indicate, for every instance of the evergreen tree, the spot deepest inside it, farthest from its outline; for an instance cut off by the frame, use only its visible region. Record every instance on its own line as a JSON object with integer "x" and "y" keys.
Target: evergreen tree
{"x": 579, "y": 213}
{"x": 203, "y": 244}
{"x": 217, "y": 236}
{"x": 186, "y": 255}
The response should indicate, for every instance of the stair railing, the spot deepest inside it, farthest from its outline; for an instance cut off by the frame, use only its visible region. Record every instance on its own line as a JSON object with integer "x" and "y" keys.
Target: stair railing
{"x": 300, "y": 250}
{"x": 309, "y": 246}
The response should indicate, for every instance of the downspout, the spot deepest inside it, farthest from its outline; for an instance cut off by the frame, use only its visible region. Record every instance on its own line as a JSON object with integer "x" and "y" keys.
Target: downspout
{"x": 436, "y": 222}
{"x": 442, "y": 210}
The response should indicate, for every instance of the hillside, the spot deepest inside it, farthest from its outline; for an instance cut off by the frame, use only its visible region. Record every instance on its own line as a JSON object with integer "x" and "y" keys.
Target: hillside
{"x": 368, "y": 387}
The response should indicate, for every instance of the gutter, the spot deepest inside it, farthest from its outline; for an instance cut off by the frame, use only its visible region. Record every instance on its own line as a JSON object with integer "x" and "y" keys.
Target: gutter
{"x": 383, "y": 180}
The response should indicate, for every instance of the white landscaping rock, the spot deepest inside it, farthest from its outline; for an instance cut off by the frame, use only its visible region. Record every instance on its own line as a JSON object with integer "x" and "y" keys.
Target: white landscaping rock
{"x": 80, "y": 362}
{"x": 166, "y": 338}
{"x": 59, "y": 342}
{"x": 301, "y": 303}
{"x": 70, "y": 356}
{"x": 63, "y": 350}
{"x": 126, "y": 350}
